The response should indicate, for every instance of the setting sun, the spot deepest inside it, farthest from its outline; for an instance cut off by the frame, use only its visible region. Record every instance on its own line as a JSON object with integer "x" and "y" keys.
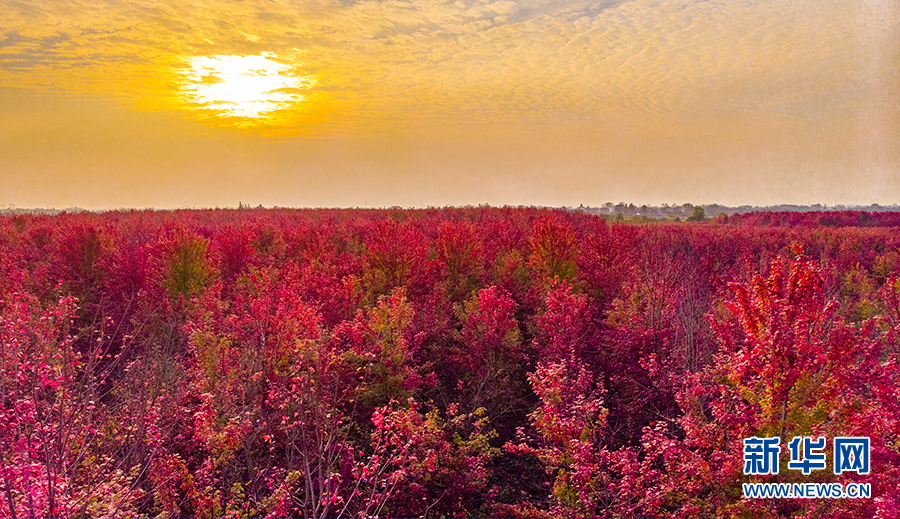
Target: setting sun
{"x": 448, "y": 102}
{"x": 241, "y": 86}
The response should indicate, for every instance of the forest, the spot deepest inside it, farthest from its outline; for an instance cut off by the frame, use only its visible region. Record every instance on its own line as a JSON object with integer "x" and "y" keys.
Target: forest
{"x": 468, "y": 362}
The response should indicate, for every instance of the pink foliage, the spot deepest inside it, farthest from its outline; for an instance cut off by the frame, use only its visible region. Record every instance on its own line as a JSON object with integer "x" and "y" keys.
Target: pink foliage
{"x": 334, "y": 363}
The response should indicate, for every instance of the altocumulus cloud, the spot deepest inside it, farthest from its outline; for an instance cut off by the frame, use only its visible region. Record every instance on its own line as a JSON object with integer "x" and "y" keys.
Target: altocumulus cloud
{"x": 526, "y": 61}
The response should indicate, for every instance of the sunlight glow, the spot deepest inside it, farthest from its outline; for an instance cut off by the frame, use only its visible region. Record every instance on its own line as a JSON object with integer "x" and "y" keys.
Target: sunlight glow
{"x": 241, "y": 86}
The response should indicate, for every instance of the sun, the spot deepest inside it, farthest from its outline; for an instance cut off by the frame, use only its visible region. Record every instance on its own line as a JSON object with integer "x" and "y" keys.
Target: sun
{"x": 242, "y": 86}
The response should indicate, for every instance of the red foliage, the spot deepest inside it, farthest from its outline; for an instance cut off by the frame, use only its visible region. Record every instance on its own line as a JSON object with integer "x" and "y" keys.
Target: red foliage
{"x": 371, "y": 362}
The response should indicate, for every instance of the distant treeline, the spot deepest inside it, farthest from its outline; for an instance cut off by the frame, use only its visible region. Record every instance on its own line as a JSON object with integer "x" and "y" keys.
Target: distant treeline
{"x": 687, "y": 210}
{"x": 626, "y": 210}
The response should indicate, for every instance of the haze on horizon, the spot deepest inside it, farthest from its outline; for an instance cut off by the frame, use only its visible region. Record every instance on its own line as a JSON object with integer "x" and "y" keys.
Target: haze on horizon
{"x": 202, "y": 103}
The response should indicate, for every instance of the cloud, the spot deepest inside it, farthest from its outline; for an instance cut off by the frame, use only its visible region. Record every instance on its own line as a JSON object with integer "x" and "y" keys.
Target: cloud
{"x": 610, "y": 63}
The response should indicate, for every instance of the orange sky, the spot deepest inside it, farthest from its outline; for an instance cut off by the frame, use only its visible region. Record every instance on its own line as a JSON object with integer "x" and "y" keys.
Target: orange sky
{"x": 207, "y": 103}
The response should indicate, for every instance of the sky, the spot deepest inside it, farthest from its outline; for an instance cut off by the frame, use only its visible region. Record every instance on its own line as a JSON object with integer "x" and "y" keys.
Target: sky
{"x": 210, "y": 103}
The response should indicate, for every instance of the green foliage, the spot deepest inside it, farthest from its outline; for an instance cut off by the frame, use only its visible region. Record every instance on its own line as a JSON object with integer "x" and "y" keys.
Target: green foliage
{"x": 699, "y": 215}
{"x": 187, "y": 268}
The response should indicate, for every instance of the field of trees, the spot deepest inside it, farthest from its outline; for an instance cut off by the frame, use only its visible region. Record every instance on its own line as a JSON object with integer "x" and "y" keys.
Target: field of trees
{"x": 512, "y": 362}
